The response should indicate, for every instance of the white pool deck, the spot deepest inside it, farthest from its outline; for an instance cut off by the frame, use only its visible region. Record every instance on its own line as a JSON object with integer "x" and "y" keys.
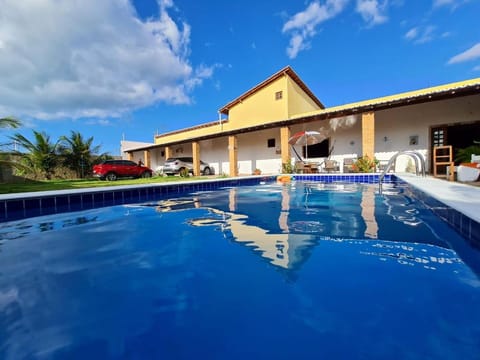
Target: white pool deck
{"x": 459, "y": 196}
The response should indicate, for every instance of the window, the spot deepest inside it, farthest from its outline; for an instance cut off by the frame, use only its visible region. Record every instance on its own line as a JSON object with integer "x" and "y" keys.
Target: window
{"x": 271, "y": 143}
{"x": 317, "y": 150}
{"x": 278, "y": 95}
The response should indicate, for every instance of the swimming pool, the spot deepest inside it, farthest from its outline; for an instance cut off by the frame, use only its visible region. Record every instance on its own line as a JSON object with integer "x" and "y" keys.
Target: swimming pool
{"x": 300, "y": 270}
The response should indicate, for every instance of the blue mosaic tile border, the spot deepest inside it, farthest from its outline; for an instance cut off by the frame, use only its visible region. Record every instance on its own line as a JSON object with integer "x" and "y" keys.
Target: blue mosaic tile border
{"x": 38, "y": 205}
{"x": 467, "y": 227}
{"x": 352, "y": 178}
{"x": 53, "y": 203}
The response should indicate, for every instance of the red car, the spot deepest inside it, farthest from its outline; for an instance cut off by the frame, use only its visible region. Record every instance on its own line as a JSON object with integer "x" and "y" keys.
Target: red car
{"x": 111, "y": 170}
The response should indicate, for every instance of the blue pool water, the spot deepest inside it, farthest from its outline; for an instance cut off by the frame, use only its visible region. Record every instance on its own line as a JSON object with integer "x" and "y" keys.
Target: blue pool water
{"x": 296, "y": 271}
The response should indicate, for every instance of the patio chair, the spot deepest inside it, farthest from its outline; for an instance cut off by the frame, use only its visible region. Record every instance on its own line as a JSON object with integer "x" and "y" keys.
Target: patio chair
{"x": 348, "y": 165}
{"x": 312, "y": 167}
{"x": 330, "y": 166}
{"x": 299, "y": 167}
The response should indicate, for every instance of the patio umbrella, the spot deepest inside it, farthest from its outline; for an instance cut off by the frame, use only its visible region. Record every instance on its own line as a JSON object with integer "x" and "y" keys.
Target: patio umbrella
{"x": 305, "y": 138}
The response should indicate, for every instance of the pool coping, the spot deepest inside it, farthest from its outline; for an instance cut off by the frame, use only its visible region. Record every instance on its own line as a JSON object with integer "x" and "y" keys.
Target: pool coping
{"x": 461, "y": 197}
{"x": 456, "y": 203}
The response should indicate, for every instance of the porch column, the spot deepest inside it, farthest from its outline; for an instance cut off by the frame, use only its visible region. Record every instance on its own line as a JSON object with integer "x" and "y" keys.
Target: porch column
{"x": 196, "y": 158}
{"x": 233, "y": 155}
{"x": 284, "y": 145}
{"x": 368, "y": 134}
{"x": 130, "y": 156}
{"x": 168, "y": 152}
{"x": 146, "y": 157}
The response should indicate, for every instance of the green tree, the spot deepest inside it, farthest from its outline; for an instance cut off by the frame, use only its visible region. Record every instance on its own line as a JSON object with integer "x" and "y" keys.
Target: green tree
{"x": 79, "y": 154}
{"x": 9, "y": 122}
{"x": 40, "y": 157}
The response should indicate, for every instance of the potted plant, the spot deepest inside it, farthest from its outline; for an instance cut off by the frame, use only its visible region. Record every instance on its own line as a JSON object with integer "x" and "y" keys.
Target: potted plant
{"x": 287, "y": 168}
{"x": 365, "y": 165}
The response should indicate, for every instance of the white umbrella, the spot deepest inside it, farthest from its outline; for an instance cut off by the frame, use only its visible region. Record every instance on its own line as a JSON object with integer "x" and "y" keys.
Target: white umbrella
{"x": 305, "y": 138}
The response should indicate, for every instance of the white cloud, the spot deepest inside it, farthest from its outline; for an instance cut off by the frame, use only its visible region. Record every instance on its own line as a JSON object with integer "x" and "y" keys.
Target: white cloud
{"x": 302, "y": 25}
{"x": 412, "y": 34}
{"x": 442, "y": 2}
{"x": 421, "y": 35}
{"x": 438, "y": 3}
{"x": 372, "y": 11}
{"x": 453, "y": 4}
{"x": 91, "y": 58}
{"x": 471, "y": 54}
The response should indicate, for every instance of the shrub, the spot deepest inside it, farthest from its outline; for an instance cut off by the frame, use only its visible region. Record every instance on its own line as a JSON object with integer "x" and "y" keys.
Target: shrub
{"x": 465, "y": 155}
{"x": 287, "y": 168}
{"x": 364, "y": 164}
{"x": 184, "y": 172}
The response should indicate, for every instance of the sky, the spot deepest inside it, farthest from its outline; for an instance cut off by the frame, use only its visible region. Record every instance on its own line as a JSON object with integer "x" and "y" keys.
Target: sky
{"x": 130, "y": 69}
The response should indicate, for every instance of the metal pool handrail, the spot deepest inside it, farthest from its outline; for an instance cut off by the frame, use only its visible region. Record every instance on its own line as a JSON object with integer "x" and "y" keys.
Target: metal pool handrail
{"x": 417, "y": 157}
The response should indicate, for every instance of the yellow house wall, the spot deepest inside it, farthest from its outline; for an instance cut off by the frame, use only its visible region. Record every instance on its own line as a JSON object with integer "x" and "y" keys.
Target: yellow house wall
{"x": 260, "y": 108}
{"x": 298, "y": 102}
{"x": 190, "y": 134}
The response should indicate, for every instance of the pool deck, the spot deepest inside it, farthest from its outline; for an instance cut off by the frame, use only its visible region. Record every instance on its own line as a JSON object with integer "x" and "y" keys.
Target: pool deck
{"x": 459, "y": 196}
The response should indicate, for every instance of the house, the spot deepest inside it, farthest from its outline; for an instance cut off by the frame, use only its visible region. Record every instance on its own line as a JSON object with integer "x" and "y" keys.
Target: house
{"x": 253, "y": 130}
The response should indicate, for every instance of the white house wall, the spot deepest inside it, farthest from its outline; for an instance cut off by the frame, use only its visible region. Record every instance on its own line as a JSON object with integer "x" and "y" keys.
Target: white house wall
{"x": 215, "y": 152}
{"x": 393, "y": 128}
{"x": 253, "y": 152}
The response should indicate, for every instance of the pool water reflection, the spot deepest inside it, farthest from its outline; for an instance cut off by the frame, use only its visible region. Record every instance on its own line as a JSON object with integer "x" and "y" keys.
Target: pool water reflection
{"x": 274, "y": 271}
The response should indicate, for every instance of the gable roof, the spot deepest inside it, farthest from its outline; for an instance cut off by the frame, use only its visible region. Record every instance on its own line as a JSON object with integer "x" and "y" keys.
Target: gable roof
{"x": 285, "y": 71}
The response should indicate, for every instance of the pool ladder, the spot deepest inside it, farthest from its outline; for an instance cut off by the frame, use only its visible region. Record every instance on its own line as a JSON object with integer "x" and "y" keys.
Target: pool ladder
{"x": 419, "y": 164}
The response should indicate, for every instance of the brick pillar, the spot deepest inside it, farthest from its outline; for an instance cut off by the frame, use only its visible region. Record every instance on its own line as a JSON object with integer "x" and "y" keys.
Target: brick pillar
{"x": 368, "y": 134}
{"x": 233, "y": 155}
{"x": 146, "y": 158}
{"x": 168, "y": 152}
{"x": 196, "y": 158}
{"x": 284, "y": 145}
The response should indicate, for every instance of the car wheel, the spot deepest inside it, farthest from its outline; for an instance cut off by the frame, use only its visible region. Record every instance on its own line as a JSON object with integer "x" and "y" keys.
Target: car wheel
{"x": 207, "y": 171}
{"x": 111, "y": 176}
{"x": 147, "y": 174}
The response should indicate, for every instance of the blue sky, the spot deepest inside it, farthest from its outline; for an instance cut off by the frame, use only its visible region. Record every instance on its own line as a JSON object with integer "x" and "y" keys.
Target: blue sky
{"x": 116, "y": 69}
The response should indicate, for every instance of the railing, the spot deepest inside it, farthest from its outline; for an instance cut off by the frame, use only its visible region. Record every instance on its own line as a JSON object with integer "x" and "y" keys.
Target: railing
{"x": 417, "y": 157}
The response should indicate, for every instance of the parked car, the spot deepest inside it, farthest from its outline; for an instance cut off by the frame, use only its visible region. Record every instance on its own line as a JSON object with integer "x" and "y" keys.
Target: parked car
{"x": 176, "y": 165}
{"x": 113, "y": 169}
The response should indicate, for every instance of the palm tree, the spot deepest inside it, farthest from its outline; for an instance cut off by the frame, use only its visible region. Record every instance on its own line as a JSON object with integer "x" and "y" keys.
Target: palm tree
{"x": 79, "y": 154}
{"x": 5, "y": 160}
{"x": 41, "y": 157}
{"x": 9, "y": 122}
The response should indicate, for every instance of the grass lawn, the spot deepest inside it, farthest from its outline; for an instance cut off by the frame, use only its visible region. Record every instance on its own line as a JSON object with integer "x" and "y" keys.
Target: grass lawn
{"x": 46, "y": 185}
